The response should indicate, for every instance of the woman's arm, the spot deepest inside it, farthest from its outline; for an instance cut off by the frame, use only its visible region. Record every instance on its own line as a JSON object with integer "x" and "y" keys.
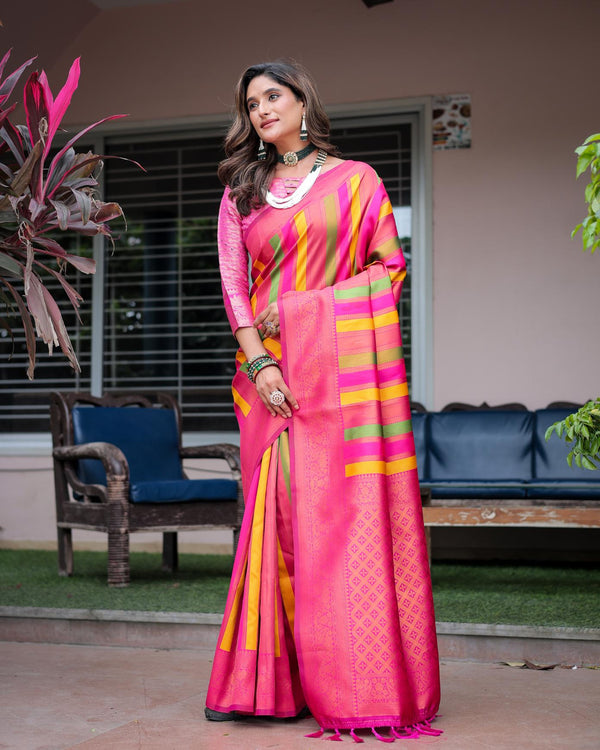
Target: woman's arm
{"x": 233, "y": 264}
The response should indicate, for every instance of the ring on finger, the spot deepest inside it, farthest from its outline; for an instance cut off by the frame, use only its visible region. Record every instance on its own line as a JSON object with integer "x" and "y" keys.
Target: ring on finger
{"x": 276, "y": 398}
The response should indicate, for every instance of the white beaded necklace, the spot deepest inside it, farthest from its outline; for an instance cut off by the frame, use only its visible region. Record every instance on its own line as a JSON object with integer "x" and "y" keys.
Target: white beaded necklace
{"x": 302, "y": 190}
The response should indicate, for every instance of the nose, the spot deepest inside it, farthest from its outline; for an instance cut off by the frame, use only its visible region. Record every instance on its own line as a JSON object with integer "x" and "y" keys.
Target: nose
{"x": 263, "y": 107}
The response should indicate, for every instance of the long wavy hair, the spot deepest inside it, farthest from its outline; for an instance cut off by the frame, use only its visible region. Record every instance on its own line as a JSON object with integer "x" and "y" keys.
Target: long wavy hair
{"x": 248, "y": 177}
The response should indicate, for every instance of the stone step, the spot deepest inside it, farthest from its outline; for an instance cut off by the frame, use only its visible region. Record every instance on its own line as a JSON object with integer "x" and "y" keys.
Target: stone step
{"x": 188, "y": 630}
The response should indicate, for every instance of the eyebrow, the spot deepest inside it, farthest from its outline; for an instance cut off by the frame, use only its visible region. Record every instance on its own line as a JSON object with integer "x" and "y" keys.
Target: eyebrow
{"x": 266, "y": 91}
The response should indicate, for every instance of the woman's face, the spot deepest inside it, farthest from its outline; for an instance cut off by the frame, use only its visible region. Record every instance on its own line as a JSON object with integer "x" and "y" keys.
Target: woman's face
{"x": 274, "y": 111}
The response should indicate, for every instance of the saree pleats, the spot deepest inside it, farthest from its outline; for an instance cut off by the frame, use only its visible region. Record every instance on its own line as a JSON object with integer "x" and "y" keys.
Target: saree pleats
{"x": 255, "y": 669}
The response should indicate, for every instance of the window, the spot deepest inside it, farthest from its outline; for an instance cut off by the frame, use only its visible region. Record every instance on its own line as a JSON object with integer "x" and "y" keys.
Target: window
{"x": 24, "y": 403}
{"x": 164, "y": 322}
{"x": 163, "y": 325}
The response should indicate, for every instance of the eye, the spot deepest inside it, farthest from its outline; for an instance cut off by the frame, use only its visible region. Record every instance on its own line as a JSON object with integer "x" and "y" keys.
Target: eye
{"x": 273, "y": 97}
{"x": 252, "y": 106}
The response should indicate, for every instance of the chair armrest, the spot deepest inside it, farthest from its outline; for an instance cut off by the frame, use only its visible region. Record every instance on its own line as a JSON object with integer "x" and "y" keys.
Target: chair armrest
{"x": 113, "y": 459}
{"x": 226, "y": 451}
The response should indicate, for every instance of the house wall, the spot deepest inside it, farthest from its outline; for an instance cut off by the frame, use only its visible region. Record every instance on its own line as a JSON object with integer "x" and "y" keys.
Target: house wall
{"x": 515, "y": 301}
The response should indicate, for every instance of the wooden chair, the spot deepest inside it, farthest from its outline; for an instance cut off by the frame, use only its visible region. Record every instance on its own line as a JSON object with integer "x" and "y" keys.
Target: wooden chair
{"x": 118, "y": 469}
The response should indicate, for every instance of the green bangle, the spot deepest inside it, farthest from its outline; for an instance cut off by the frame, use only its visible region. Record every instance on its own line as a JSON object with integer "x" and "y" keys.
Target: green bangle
{"x": 258, "y": 364}
{"x": 262, "y": 366}
{"x": 257, "y": 357}
{"x": 252, "y": 372}
{"x": 258, "y": 360}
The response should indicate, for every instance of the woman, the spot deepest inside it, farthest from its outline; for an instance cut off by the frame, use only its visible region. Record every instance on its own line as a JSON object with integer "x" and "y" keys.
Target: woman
{"x": 330, "y": 601}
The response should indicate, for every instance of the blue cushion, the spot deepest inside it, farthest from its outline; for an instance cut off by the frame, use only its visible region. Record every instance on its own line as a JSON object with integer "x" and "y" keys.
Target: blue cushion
{"x": 419, "y": 421}
{"x": 474, "y": 490}
{"x": 184, "y": 490}
{"x": 565, "y": 489}
{"x": 481, "y": 446}
{"x": 147, "y": 437}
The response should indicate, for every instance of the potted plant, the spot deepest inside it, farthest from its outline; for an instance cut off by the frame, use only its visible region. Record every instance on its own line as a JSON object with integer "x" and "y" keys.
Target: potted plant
{"x": 583, "y": 428}
{"x": 46, "y": 193}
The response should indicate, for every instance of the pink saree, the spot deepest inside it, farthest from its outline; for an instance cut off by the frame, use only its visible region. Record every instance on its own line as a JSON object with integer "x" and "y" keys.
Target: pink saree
{"x": 330, "y": 601}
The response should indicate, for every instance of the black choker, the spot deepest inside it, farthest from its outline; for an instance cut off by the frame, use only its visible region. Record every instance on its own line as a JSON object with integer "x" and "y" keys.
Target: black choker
{"x": 291, "y": 158}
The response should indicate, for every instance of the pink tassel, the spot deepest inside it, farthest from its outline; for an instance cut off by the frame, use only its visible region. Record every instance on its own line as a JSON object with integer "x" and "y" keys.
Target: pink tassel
{"x": 355, "y": 737}
{"x": 380, "y": 737}
{"x": 405, "y": 733}
{"x": 337, "y": 737}
{"x": 316, "y": 734}
{"x": 424, "y": 727}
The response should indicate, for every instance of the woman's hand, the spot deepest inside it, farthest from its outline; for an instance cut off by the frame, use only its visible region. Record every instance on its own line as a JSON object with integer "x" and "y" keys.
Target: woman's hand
{"x": 268, "y": 320}
{"x": 270, "y": 379}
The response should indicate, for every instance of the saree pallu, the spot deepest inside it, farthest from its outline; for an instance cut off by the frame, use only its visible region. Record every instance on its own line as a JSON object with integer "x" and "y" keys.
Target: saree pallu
{"x": 330, "y": 603}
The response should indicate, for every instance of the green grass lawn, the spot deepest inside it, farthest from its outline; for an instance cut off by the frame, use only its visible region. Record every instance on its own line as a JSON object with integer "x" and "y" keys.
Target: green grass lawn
{"x": 476, "y": 592}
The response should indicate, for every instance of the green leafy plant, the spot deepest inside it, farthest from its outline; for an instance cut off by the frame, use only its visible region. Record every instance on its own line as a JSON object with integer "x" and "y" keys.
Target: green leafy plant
{"x": 583, "y": 430}
{"x": 46, "y": 193}
{"x": 588, "y": 157}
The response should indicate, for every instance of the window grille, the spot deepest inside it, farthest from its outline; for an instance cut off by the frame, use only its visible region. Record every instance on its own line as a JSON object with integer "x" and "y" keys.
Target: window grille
{"x": 24, "y": 403}
{"x": 164, "y": 322}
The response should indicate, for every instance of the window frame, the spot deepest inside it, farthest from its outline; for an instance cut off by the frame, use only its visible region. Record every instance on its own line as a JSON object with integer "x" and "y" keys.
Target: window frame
{"x": 417, "y": 112}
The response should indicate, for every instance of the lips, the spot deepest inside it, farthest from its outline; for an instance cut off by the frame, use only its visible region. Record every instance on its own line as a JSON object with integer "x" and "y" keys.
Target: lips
{"x": 267, "y": 124}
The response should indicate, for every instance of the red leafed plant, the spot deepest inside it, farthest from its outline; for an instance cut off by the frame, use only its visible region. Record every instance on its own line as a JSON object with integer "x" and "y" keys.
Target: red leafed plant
{"x": 41, "y": 199}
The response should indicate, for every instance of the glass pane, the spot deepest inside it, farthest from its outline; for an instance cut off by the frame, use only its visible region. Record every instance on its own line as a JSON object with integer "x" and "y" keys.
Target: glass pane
{"x": 24, "y": 404}
{"x": 165, "y": 324}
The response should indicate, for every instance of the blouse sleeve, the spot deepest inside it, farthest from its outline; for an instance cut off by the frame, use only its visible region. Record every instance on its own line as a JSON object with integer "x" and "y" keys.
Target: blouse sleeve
{"x": 233, "y": 264}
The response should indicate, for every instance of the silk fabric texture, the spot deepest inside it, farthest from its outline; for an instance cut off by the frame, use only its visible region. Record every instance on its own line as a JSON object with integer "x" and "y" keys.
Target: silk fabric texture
{"x": 330, "y": 601}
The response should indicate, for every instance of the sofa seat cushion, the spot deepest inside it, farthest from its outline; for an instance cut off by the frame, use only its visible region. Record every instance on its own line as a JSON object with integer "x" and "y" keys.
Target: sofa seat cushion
{"x": 148, "y": 438}
{"x": 184, "y": 491}
{"x": 473, "y": 490}
{"x": 565, "y": 489}
{"x": 480, "y": 446}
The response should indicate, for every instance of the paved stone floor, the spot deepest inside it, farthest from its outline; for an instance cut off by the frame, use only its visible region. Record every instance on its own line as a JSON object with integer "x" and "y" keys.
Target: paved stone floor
{"x": 57, "y": 697}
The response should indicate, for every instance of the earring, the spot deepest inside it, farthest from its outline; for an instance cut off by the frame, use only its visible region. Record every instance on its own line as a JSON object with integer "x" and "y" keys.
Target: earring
{"x": 303, "y": 130}
{"x": 262, "y": 151}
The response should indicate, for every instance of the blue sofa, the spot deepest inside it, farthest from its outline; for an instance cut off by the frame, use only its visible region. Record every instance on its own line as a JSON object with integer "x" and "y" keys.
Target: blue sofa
{"x": 497, "y": 454}
{"x": 493, "y": 466}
